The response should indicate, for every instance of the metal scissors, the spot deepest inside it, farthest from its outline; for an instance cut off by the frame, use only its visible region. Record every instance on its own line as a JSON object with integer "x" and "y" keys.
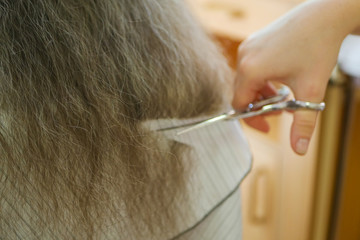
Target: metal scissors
{"x": 267, "y": 105}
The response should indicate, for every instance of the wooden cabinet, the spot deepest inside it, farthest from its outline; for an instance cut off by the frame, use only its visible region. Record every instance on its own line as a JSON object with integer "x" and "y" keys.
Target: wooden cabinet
{"x": 288, "y": 192}
{"x": 346, "y": 223}
{"x": 285, "y": 196}
{"x": 278, "y": 193}
{"x": 346, "y": 208}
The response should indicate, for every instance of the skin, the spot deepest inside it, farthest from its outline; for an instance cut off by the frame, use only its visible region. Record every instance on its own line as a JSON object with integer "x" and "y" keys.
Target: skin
{"x": 299, "y": 50}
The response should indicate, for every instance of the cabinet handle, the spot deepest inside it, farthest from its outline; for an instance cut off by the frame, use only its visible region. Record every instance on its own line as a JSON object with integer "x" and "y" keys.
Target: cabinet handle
{"x": 261, "y": 196}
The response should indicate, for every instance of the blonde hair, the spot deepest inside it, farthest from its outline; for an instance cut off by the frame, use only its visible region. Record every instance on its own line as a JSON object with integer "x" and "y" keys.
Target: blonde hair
{"x": 77, "y": 80}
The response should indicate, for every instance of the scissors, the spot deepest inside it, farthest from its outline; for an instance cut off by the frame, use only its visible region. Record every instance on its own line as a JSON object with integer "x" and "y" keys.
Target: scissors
{"x": 267, "y": 105}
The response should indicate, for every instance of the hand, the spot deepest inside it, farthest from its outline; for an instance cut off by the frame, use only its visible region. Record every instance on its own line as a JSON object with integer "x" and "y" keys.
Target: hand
{"x": 298, "y": 50}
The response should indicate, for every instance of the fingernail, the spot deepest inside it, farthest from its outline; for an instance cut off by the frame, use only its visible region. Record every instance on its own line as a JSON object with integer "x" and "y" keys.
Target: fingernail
{"x": 302, "y": 145}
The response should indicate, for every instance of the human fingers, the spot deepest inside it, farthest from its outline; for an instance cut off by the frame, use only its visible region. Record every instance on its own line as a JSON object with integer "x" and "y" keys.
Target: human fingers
{"x": 301, "y": 130}
{"x": 259, "y": 122}
{"x": 304, "y": 121}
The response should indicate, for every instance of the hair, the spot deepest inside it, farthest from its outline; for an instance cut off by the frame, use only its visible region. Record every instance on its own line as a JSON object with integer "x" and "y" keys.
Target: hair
{"x": 77, "y": 80}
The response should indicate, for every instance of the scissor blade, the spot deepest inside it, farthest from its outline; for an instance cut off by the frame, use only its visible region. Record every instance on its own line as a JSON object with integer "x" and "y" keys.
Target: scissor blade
{"x": 204, "y": 123}
{"x": 226, "y": 116}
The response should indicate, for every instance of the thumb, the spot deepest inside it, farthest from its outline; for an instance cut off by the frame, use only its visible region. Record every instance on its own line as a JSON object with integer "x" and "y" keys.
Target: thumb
{"x": 305, "y": 120}
{"x": 302, "y": 130}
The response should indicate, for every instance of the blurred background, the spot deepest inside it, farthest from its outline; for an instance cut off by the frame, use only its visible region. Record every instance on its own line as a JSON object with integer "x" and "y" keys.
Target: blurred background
{"x": 315, "y": 197}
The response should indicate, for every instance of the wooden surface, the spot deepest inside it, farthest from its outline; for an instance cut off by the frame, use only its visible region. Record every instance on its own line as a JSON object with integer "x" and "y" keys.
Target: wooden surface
{"x": 347, "y": 210}
{"x": 348, "y": 215}
{"x": 330, "y": 147}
